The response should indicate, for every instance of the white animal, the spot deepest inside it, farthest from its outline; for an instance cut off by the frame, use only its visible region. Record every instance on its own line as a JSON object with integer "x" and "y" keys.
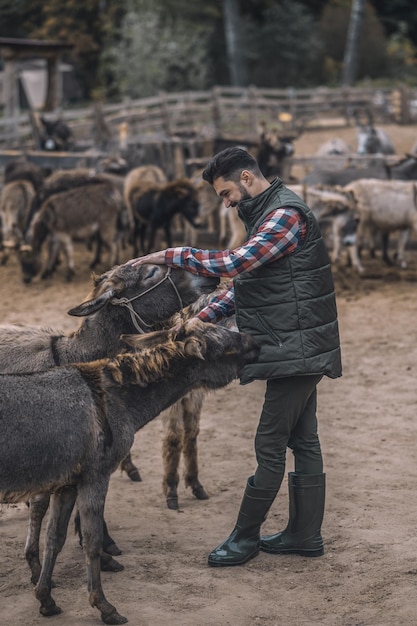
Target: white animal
{"x": 333, "y": 209}
{"x": 385, "y": 206}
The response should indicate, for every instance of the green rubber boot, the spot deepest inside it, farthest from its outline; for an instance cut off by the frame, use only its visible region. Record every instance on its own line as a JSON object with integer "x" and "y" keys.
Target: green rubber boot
{"x": 244, "y": 541}
{"x": 302, "y": 534}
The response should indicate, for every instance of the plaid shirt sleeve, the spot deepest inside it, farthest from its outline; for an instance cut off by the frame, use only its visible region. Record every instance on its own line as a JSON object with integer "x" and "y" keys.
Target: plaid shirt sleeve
{"x": 281, "y": 232}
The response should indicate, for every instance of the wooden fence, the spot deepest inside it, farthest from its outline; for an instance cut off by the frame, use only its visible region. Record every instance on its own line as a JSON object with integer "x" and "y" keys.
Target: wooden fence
{"x": 174, "y": 127}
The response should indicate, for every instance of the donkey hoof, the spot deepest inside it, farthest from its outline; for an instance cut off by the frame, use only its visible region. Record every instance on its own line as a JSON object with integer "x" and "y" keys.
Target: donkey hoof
{"x": 114, "y": 618}
{"x": 109, "y": 564}
{"x": 200, "y": 493}
{"x": 134, "y": 475}
{"x": 113, "y": 549}
{"x": 49, "y": 610}
{"x": 172, "y": 503}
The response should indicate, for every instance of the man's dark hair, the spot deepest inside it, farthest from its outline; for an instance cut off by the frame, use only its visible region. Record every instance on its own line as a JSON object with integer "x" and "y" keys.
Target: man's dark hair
{"x": 228, "y": 164}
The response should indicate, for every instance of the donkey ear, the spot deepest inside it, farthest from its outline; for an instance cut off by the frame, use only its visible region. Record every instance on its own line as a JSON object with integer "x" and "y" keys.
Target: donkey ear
{"x": 91, "y": 306}
{"x": 195, "y": 347}
{"x": 147, "y": 340}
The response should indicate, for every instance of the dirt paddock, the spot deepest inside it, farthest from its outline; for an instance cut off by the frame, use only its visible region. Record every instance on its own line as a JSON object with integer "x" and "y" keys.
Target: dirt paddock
{"x": 368, "y": 430}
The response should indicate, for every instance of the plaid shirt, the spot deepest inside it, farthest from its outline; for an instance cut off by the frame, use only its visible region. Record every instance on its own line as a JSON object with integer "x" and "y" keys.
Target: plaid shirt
{"x": 280, "y": 233}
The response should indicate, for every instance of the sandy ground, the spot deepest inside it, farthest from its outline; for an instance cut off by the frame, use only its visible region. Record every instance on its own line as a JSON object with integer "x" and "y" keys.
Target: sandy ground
{"x": 368, "y": 430}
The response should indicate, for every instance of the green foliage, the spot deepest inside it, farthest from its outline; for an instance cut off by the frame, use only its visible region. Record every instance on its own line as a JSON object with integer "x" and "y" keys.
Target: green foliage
{"x": 155, "y": 54}
{"x": 284, "y": 49}
{"x": 372, "y": 52}
{"x": 402, "y": 56}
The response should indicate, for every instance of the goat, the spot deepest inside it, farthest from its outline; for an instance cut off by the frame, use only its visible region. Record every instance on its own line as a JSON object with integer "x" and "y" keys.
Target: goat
{"x": 385, "y": 206}
{"x": 143, "y": 175}
{"x": 155, "y": 207}
{"x": 122, "y": 300}
{"x": 334, "y": 146}
{"x": 66, "y": 430}
{"x": 89, "y": 211}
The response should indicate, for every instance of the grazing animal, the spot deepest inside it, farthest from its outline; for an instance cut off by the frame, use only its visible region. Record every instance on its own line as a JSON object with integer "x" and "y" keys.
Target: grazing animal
{"x": 155, "y": 207}
{"x": 16, "y": 200}
{"x": 67, "y": 429}
{"x": 209, "y": 210}
{"x": 19, "y": 169}
{"x": 142, "y": 176}
{"x": 122, "y": 300}
{"x": 181, "y": 425}
{"x": 334, "y": 210}
{"x": 86, "y": 212}
{"x": 385, "y": 206}
{"x": 335, "y": 146}
{"x": 274, "y": 152}
{"x": 67, "y": 180}
{"x": 404, "y": 169}
{"x": 371, "y": 140}
{"x": 232, "y": 229}
{"x": 56, "y": 135}
{"x": 23, "y": 181}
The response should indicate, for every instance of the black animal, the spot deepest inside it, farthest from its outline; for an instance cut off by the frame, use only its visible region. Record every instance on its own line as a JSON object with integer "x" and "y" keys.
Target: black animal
{"x": 56, "y": 135}
{"x": 273, "y": 153}
{"x": 155, "y": 207}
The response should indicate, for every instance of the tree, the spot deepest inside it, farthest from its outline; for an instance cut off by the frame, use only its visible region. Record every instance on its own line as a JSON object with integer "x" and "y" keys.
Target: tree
{"x": 235, "y": 54}
{"x": 351, "y": 58}
{"x": 372, "y": 49}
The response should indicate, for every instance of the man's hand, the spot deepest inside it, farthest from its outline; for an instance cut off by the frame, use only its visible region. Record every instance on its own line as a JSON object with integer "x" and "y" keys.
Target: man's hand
{"x": 154, "y": 258}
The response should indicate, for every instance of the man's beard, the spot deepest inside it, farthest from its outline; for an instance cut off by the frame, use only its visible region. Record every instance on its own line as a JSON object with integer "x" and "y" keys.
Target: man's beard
{"x": 244, "y": 195}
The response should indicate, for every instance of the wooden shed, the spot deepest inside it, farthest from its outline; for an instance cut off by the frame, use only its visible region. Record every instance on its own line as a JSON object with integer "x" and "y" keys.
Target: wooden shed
{"x": 12, "y": 51}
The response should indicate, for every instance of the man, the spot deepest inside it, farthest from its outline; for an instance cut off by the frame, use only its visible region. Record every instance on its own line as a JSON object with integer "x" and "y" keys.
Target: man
{"x": 283, "y": 294}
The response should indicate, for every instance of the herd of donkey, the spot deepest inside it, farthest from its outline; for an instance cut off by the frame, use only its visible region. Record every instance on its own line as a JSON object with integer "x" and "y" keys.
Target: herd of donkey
{"x": 71, "y": 403}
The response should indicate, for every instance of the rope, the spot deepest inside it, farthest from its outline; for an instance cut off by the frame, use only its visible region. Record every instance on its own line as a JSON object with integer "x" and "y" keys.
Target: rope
{"x": 135, "y": 317}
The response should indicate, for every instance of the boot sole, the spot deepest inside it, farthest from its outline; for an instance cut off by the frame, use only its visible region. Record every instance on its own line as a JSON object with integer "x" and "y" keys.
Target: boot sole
{"x": 309, "y": 553}
{"x": 230, "y": 564}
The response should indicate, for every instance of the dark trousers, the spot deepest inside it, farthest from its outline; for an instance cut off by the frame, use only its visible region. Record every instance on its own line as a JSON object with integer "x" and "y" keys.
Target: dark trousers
{"x": 288, "y": 420}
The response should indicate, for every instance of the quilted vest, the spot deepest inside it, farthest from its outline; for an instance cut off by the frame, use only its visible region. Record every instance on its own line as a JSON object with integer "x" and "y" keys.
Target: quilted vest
{"x": 289, "y": 305}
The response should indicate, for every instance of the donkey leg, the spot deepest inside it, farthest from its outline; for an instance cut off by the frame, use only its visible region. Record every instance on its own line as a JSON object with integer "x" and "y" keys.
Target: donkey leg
{"x": 90, "y": 502}
{"x": 62, "y": 504}
{"x": 130, "y": 468}
{"x": 37, "y": 510}
{"x": 109, "y": 547}
{"x": 192, "y": 405}
{"x": 171, "y": 453}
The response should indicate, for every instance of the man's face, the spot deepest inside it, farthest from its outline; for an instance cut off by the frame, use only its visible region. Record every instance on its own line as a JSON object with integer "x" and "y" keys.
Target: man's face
{"x": 230, "y": 191}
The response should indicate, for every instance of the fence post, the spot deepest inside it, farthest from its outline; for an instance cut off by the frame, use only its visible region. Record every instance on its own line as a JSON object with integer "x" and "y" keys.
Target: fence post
{"x": 165, "y": 112}
{"x": 217, "y": 115}
{"x": 253, "y": 109}
{"x": 405, "y": 116}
